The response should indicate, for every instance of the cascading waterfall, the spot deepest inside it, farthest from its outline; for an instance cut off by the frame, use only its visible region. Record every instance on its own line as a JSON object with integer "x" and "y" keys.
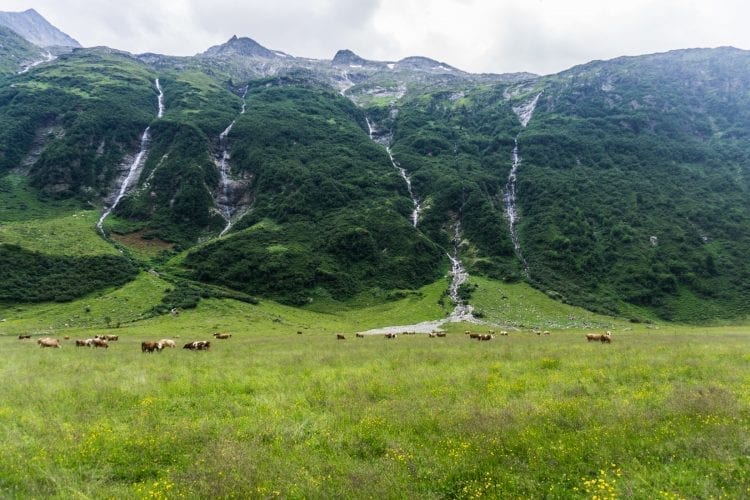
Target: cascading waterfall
{"x": 524, "y": 113}
{"x": 47, "y": 58}
{"x": 402, "y": 171}
{"x": 136, "y": 166}
{"x": 224, "y": 200}
{"x": 160, "y": 99}
{"x": 461, "y": 311}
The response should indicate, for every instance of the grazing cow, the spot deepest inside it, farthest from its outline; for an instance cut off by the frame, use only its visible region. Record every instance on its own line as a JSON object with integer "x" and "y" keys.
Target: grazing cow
{"x": 299, "y": 332}
{"x": 359, "y": 335}
{"x": 441, "y": 334}
{"x": 432, "y": 335}
{"x": 67, "y": 337}
{"x": 593, "y": 336}
{"x": 607, "y": 338}
{"x": 100, "y": 343}
{"x": 48, "y": 342}
{"x": 486, "y": 336}
{"x": 474, "y": 336}
{"x": 392, "y": 335}
{"x": 546, "y": 332}
{"x": 22, "y": 337}
{"x": 82, "y": 343}
{"x": 467, "y": 332}
{"x": 218, "y": 335}
{"x": 150, "y": 347}
{"x": 198, "y": 345}
{"x": 167, "y": 343}
{"x": 340, "y": 337}
{"x": 504, "y": 333}
{"x": 111, "y": 338}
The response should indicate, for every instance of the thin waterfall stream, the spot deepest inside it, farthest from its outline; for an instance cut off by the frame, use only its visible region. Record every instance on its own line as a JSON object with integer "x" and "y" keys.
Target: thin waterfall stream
{"x": 228, "y": 188}
{"x": 135, "y": 167}
{"x": 524, "y": 113}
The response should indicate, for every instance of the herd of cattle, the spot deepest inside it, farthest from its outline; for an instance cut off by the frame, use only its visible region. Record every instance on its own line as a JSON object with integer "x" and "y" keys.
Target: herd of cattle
{"x": 147, "y": 347}
{"x": 602, "y": 337}
{"x": 205, "y": 345}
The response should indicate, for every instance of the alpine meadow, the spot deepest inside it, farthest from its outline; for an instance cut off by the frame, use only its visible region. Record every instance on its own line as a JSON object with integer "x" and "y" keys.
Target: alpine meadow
{"x": 247, "y": 274}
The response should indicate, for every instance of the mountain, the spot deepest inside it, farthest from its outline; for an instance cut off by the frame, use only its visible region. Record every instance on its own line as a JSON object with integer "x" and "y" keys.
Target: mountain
{"x": 15, "y": 52}
{"x": 620, "y": 185}
{"x": 35, "y": 29}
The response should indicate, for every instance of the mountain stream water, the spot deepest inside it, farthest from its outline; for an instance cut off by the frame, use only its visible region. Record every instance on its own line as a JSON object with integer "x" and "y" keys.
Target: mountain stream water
{"x": 229, "y": 191}
{"x": 135, "y": 167}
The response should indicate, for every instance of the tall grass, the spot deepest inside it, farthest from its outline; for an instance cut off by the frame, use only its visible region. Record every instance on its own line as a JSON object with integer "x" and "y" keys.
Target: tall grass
{"x": 273, "y": 413}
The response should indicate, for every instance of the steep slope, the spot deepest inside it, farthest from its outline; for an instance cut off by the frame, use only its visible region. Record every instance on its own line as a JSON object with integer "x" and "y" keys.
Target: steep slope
{"x": 15, "y": 52}
{"x": 635, "y": 184}
{"x": 36, "y": 29}
{"x": 329, "y": 216}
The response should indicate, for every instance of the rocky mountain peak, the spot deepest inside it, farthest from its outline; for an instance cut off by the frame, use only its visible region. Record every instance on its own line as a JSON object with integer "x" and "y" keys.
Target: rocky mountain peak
{"x": 240, "y": 46}
{"x": 33, "y": 27}
{"x": 347, "y": 57}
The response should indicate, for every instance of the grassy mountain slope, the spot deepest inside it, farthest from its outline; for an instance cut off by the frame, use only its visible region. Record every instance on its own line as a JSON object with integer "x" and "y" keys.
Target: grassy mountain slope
{"x": 15, "y": 52}
{"x": 329, "y": 213}
{"x": 634, "y": 185}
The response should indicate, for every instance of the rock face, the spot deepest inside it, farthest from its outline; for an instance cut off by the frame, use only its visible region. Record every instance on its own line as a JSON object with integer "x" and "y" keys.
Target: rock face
{"x": 346, "y": 57}
{"x": 241, "y": 47}
{"x": 37, "y": 30}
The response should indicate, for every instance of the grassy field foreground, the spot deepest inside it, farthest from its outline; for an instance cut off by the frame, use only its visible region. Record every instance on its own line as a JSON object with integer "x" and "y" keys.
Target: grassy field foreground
{"x": 656, "y": 414}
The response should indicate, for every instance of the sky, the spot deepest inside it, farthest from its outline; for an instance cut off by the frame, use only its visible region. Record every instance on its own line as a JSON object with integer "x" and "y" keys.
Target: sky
{"x": 480, "y": 36}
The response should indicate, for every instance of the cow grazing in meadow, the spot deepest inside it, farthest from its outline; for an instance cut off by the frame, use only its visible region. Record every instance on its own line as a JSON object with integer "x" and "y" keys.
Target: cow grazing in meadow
{"x": 84, "y": 343}
{"x": 100, "y": 343}
{"x": 23, "y": 337}
{"x": 67, "y": 337}
{"x": 299, "y": 332}
{"x": 218, "y": 335}
{"x": 504, "y": 333}
{"x": 606, "y": 338}
{"x": 198, "y": 345}
{"x": 546, "y": 332}
{"x": 150, "y": 347}
{"x": 359, "y": 335}
{"x": 486, "y": 336}
{"x": 432, "y": 335}
{"x": 340, "y": 337}
{"x": 391, "y": 335}
{"x": 48, "y": 342}
{"x": 111, "y": 338}
{"x": 167, "y": 343}
{"x": 474, "y": 335}
{"x": 593, "y": 336}
{"x": 441, "y": 334}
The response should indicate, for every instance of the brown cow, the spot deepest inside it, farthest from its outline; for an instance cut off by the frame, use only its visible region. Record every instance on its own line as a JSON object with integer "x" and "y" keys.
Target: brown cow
{"x": 607, "y": 338}
{"x": 474, "y": 336}
{"x": 150, "y": 347}
{"x": 486, "y": 336}
{"x": 100, "y": 343}
{"x": 340, "y": 337}
{"x": 441, "y": 334}
{"x": 359, "y": 335}
{"x": 392, "y": 335}
{"x": 593, "y": 336}
{"x": 218, "y": 335}
{"x": 22, "y": 337}
{"x": 48, "y": 342}
{"x": 111, "y": 338}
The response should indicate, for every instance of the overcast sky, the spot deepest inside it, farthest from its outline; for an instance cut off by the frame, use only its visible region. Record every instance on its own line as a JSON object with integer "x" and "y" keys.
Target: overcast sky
{"x": 541, "y": 36}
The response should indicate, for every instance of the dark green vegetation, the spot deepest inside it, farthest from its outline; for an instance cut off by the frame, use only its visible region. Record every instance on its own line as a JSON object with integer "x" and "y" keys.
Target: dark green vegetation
{"x": 32, "y": 277}
{"x": 632, "y": 192}
{"x": 635, "y": 184}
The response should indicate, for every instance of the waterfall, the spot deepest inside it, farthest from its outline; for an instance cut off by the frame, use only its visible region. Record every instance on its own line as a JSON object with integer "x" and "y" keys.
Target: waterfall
{"x": 524, "y": 112}
{"x": 228, "y": 188}
{"x": 160, "y": 113}
{"x": 461, "y": 311}
{"x": 134, "y": 169}
{"x": 47, "y": 58}
{"x": 385, "y": 141}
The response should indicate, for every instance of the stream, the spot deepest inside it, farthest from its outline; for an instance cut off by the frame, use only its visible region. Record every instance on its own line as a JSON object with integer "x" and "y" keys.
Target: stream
{"x": 135, "y": 167}
{"x": 230, "y": 190}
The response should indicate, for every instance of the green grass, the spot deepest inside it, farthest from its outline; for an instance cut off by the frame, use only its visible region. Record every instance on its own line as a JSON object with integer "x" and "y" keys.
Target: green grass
{"x": 272, "y": 413}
